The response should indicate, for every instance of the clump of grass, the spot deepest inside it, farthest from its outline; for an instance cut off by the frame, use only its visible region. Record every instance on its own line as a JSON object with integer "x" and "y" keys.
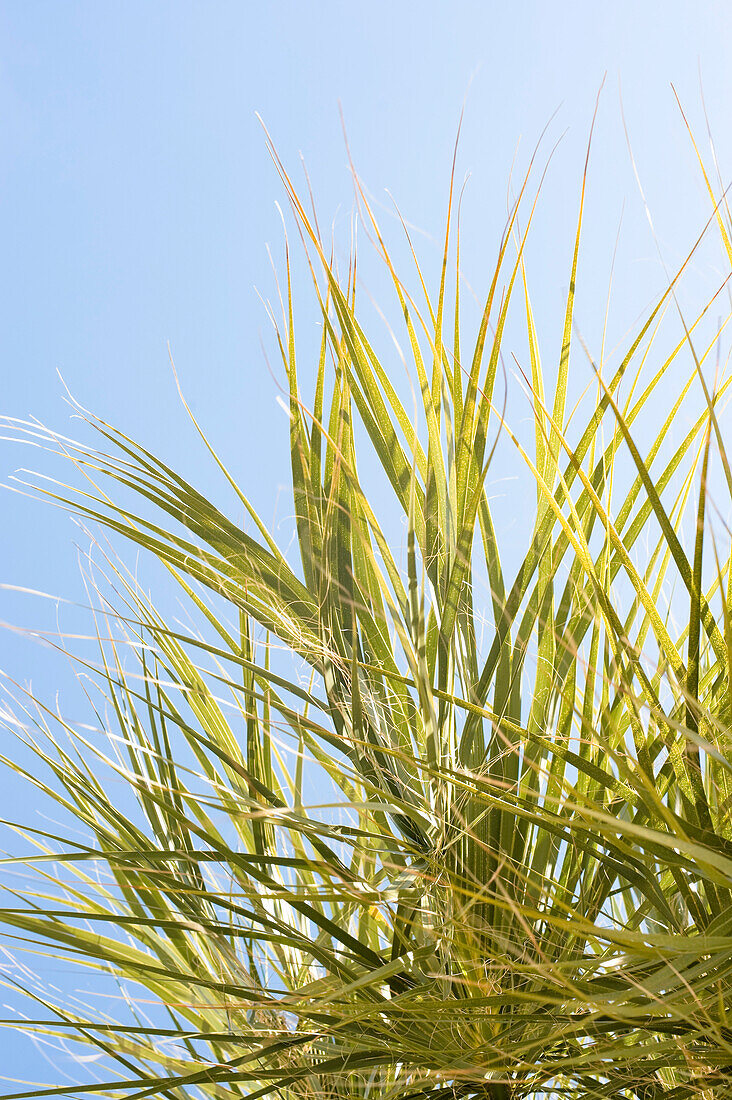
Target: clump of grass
{"x": 483, "y": 846}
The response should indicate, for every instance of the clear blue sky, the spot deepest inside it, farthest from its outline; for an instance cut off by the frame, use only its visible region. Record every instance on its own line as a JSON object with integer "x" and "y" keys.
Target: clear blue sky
{"x": 137, "y": 198}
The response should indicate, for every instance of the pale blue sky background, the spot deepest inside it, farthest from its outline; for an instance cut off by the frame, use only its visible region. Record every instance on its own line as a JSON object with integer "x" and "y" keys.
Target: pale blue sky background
{"x": 137, "y": 197}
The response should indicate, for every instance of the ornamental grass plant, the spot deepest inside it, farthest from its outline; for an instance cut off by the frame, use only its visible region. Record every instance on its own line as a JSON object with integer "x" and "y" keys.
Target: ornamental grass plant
{"x": 426, "y": 820}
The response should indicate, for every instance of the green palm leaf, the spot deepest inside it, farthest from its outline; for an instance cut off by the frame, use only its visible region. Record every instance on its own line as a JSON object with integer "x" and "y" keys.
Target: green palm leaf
{"x": 379, "y": 835}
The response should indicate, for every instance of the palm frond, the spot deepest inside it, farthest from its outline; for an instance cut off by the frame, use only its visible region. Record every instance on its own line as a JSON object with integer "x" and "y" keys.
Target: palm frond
{"x": 411, "y": 823}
